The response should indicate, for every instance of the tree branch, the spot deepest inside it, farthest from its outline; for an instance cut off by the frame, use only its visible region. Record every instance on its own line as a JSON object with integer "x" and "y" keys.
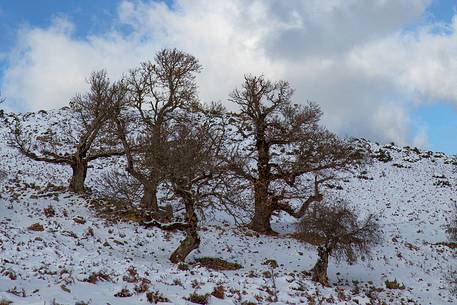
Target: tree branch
{"x": 105, "y": 154}
{"x": 298, "y": 214}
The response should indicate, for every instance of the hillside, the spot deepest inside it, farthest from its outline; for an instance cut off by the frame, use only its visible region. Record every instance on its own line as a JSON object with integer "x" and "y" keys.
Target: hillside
{"x": 78, "y": 257}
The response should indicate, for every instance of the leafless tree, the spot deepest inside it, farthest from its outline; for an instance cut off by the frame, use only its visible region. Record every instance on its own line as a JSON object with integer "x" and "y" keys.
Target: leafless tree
{"x": 337, "y": 230}
{"x": 190, "y": 164}
{"x": 278, "y": 142}
{"x": 155, "y": 90}
{"x": 82, "y": 142}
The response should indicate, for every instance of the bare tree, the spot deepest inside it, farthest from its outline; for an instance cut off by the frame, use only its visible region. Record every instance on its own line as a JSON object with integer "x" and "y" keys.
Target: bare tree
{"x": 156, "y": 90}
{"x": 337, "y": 230}
{"x": 190, "y": 163}
{"x": 278, "y": 143}
{"x": 81, "y": 143}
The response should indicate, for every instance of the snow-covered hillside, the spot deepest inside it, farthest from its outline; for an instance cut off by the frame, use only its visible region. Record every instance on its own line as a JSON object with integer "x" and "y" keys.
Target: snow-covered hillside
{"x": 68, "y": 255}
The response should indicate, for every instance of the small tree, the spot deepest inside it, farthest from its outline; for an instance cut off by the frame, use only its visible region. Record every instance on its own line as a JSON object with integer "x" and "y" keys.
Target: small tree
{"x": 156, "y": 90}
{"x": 190, "y": 164}
{"x": 81, "y": 142}
{"x": 278, "y": 142}
{"x": 337, "y": 230}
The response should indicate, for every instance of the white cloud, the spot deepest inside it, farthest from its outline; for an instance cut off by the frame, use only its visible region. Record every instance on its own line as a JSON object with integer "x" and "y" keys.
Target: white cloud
{"x": 424, "y": 63}
{"x": 350, "y": 56}
{"x": 421, "y": 139}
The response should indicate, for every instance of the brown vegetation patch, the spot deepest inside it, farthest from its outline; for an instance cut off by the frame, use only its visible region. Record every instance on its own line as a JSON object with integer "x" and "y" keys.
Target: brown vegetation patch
{"x": 394, "y": 285}
{"x": 198, "y": 298}
{"x": 218, "y": 292}
{"x": 124, "y": 293}
{"x": 156, "y": 297}
{"x": 115, "y": 211}
{"x": 218, "y": 264}
{"x": 36, "y": 227}
{"x": 97, "y": 276}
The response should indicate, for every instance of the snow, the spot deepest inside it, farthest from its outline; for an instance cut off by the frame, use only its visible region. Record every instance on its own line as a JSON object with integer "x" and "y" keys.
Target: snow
{"x": 50, "y": 267}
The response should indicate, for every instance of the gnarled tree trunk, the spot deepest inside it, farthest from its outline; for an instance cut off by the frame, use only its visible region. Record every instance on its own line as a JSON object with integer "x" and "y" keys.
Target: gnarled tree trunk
{"x": 320, "y": 268}
{"x": 192, "y": 240}
{"x": 149, "y": 200}
{"x": 79, "y": 168}
{"x": 260, "y": 222}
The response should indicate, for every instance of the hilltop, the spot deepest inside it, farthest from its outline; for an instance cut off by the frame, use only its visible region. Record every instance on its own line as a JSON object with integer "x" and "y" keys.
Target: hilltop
{"x": 55, "y": 248}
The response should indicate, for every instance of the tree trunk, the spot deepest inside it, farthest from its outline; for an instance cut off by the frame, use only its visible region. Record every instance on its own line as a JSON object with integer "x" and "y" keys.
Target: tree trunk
{"x": 192, "y": 240}
{"x": 260, "y": 222}
{"x": 79, "y": 168}
{"x": 149, "y": 200}
{"x": 320, "y": 269}
{"x": 262, "y": 203}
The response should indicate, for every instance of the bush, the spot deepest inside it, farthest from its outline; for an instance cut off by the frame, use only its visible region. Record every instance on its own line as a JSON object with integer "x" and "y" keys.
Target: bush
{"x": 394, "y": 284}
{"x": 98, "y": 276}
{"x": 156, "y": 297}
{"x": 198, "y": 298}
{"x": 337, "y": 230}
{"x": 383, "y": 156}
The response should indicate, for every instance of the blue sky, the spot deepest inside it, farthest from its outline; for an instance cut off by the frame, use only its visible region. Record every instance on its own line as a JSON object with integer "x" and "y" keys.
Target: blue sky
{"x": 436, "y": 118}
{"x": 89, "y": 17}
{"x": 440, "y": 120}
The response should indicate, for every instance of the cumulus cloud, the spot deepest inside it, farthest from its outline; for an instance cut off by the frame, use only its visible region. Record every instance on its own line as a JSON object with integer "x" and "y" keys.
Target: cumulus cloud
{"x": 48, "y": 66}
{"x": 350, "y": 56}
{"x": 422, "y": 63}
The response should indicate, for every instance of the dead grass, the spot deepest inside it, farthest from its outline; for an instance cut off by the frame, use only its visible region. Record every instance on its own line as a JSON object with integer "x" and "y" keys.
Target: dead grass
{"x": 217, "y": 264}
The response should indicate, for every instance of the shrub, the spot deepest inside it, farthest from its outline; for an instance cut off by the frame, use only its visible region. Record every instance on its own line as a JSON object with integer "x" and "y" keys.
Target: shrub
{"x": 156, "y": 297}
{"x": 337, "y": 230}
{"x": 394, "y": 284}
{"x": 198, "y": 298}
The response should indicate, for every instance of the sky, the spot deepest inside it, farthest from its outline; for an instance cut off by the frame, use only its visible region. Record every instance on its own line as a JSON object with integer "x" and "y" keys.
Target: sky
{"x": 385, "y": 70}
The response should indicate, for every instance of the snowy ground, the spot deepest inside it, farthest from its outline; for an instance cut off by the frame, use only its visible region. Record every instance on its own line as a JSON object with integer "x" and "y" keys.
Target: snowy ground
{"x": 413, "y": 195}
